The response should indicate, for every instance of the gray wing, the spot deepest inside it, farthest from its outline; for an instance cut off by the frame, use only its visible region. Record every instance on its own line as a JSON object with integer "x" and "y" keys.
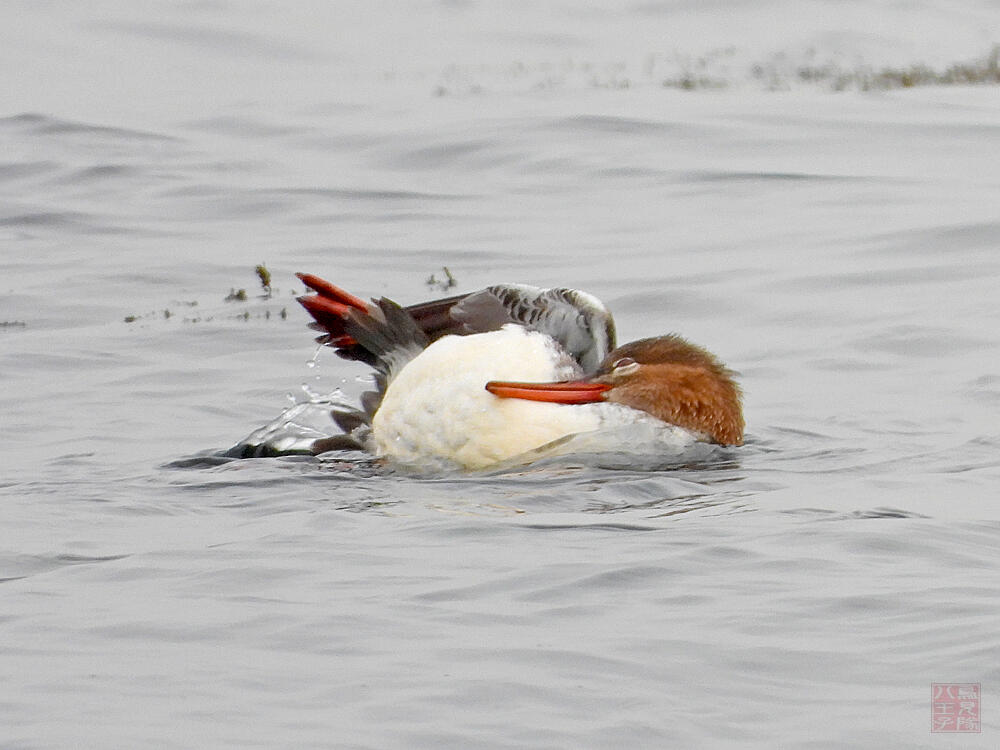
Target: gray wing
{"x": 580, "y": 322}
{"x": 386, "y": 336}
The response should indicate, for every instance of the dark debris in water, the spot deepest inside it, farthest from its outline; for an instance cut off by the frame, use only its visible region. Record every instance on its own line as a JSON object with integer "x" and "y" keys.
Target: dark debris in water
{"x": 235, "y": 295}
{"x": 443, "y": 284}
{"x": 984, "y": 70}
{"x": 718, "y": 69}
{"x": 265, "y": 279}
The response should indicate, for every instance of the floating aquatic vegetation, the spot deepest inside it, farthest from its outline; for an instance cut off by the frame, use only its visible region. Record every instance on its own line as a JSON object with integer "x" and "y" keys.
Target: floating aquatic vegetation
{"x": 444, "y": 284}
{"x": 265, "y": 279}
{"x": 722, "y": 68}
{"x": 984, "y": 70}
{"x": 257, "y": 311}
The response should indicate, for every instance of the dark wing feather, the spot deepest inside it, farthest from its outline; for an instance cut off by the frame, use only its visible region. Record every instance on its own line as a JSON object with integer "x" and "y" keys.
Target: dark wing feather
{"x": 435, "y": 317}
{"x": 387, "y": 334}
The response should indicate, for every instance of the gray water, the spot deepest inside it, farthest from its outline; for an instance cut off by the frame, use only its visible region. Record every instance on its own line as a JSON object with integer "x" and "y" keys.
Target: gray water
{"x": 837, "y": 248}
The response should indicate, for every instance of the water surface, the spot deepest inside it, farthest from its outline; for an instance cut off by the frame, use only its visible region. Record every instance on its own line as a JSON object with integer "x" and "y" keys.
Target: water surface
{"x": 838, "y": 249}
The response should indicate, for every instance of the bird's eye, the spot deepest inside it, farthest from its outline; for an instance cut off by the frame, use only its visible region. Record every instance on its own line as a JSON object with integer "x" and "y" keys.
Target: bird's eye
{"x": 624, "y": 366}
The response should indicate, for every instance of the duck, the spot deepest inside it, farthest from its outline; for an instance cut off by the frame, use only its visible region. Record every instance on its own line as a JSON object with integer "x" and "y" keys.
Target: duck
{"x": 475, "y": 380}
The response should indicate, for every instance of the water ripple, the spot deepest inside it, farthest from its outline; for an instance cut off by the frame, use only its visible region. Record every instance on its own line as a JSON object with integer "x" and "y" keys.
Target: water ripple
{"x": 39, "y": 124}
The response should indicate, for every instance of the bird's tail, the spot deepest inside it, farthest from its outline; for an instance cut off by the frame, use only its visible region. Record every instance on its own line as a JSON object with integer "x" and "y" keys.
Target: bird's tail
{"x": 379, "y": 333}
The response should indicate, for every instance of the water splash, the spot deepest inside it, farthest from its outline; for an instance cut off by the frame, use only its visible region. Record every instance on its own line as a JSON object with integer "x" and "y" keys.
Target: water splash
{"x": 313, "y": 361}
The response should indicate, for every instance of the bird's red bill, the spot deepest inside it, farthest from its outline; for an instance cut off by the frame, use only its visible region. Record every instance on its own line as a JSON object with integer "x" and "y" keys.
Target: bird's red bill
{"x": 568, "y": 392}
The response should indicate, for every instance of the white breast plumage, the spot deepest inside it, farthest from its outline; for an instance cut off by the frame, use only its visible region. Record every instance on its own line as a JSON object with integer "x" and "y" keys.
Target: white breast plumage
{"x": 436, "y": 412}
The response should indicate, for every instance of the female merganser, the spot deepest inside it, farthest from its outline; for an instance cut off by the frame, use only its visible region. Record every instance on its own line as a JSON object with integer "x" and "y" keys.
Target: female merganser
{"x": 476, "y": 379}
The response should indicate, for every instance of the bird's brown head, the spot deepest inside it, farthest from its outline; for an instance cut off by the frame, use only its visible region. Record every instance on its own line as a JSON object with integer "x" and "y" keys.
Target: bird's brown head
{"x": 667, "y": 377}
{"x": 676, "y": 382}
